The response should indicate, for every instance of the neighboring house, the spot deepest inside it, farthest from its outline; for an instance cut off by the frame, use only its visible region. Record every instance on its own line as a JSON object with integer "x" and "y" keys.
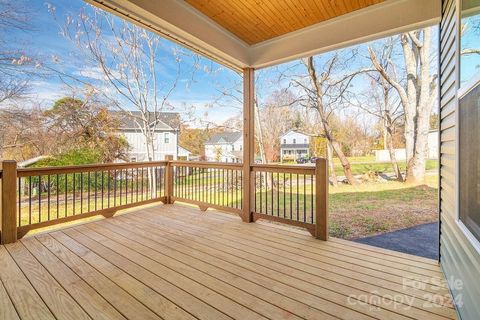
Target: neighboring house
{"x": 224, "y": 147}
{"x": 294, "y": 145}
{"x": 165, "y": 138}
{"x": 183, "y": 154}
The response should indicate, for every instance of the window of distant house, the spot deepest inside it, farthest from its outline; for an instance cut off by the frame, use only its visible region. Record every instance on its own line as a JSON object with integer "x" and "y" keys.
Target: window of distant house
{"x": 167, "y": 137}
{"x": 133, "y": 159}
{"x": 294, "y": 141}
{"x": 470, "y": 42}
{"x": 305, "y": 140}
{"x": 284, "y": 141}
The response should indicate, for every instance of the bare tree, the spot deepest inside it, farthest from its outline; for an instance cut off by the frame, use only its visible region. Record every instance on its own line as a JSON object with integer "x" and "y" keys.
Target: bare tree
{"x": 126, "y": 59}
{"x": 15, "y": 62}
{"x": 324, "y": 94}
{"x": 381, "y": 103}
{"x": 417, "y": 94}
{"x": 274, "y": 117}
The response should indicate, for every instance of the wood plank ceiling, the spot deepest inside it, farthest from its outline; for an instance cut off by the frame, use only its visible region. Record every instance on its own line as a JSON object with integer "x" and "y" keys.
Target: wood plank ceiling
{"x": 255, "y": 21}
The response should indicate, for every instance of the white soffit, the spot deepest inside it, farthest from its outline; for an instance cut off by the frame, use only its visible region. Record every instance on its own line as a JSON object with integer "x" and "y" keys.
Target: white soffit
{"x": 180, "y": 22}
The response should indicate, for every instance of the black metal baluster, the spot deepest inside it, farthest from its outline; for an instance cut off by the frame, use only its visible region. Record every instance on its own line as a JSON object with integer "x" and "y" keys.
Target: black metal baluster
{"x": 120, "y": 187}
{"x": 278, "y": 194}
{"x": 126, "y": 186}
{"x": 57, "y": 190}
{"x": 88, "y": 190}
{"x": 19, "y": 222}
{"x": 304, "y": 198}
{"x": 66, "y": 193}
{"x": 136, "y": 187}
{"x": 103, "y": 187}
{"x": 291, "y": 199}
{"x": 311, "y": 198}
{"x": 141, "y": 186}
{"x": 48, "y": 197}
{"x": 260, "y": 175}
{"x": 108, "y": 188}
{"x": 74, "y": 193}
{"x": 273, "y": 197}
{"x": 81, "y": 192}
{"x": 254, "y": 190}
{"x": 284, "y": 196}
{"x": 39, "y": 198}
{"x": 114, "y": 188}
{"x": 226, "y": 191}
{"x": 30, "y": 200}
{"x": 297, "y": 201}
{"x": 131, "y": 187}
{"x": 95, "y": 182}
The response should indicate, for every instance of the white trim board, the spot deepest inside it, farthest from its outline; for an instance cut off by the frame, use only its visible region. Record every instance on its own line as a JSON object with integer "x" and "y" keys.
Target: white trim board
{"x": 185, "y": 25}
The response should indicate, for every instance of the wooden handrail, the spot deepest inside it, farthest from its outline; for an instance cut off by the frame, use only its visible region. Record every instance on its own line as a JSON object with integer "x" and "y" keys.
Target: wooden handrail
{"x": 206, "y": 164}
{"x": 283, "y": 168}
{"x": 28, "y": 172}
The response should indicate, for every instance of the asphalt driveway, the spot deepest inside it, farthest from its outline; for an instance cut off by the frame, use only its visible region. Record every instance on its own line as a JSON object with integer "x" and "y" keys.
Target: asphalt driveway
{"x": 421, "y": 240}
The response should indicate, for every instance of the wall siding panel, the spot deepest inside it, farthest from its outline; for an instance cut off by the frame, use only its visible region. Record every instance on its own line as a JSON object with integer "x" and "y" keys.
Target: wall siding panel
{"x": 459, "y": 259}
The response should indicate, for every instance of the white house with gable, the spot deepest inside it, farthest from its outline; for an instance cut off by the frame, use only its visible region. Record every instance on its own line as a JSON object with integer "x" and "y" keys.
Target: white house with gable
{"x": 224, "y": 147}
{"x": 294, "y": 145}
{"x": 166, "y": 135}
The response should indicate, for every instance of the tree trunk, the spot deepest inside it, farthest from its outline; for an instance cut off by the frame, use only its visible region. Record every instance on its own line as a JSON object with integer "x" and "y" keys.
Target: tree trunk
{"x": 345, "y": 163}
{"x": 333, "y": 174}
{"x": 393, "y": 158}
{"x": 324, "y": 121}
{"x": 259, "y": 136}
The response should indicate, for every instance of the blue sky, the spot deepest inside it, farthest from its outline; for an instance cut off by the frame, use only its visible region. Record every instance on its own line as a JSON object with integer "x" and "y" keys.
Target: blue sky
{"x": 199, "y": 91}
{"x": 46, "y": 42}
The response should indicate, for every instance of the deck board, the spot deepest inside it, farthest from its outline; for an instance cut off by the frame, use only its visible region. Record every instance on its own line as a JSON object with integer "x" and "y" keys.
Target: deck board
{"x": 175, "y": 262}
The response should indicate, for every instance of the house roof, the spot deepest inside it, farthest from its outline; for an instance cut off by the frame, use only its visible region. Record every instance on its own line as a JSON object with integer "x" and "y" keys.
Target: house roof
{"x": 224, "y": 138}
{"x": 166, "y": 120}
{"x": 295, "y": 131}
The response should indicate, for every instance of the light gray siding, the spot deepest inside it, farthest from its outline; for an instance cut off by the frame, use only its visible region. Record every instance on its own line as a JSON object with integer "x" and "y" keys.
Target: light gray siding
{"x": 459, "y": 259}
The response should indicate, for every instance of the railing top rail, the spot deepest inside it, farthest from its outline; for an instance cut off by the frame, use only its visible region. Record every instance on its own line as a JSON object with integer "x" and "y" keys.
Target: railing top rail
{"x": 27, "y": 172}
{"x": 206, "y": 164}
{"x": 283, "y": 168}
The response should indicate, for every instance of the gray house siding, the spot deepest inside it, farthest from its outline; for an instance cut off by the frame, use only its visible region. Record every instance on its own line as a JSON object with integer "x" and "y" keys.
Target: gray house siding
{"x": 459, "y": 259}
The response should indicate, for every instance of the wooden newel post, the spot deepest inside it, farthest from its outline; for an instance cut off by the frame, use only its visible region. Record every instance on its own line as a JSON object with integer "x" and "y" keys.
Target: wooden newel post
{"x": 9, "y": 202}
{"x": 321, "y": 199}
{"x": 168, "y": 180}
{"x": 248, "y": 143}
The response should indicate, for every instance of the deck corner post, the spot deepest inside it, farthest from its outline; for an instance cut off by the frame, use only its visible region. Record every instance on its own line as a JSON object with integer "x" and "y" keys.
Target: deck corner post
{"x": 248, "y": 142}
{"x": 8, "y": 215}
{"x": 168, "y": 180}
{"x": 321, "y": 199}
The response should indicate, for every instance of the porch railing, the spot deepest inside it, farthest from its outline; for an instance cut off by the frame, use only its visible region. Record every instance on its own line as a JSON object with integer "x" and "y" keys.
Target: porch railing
{"x": 208, "y": 185}
{"x": 34, "y": 198}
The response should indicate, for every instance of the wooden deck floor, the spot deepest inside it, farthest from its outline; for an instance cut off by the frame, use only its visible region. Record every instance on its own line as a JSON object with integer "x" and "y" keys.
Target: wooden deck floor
{"x": 174, "y": 262}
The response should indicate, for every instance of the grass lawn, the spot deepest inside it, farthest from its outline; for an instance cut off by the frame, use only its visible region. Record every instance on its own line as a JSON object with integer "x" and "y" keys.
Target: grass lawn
{"x": 374, "y": 208}
{"x": 363, "y": 167}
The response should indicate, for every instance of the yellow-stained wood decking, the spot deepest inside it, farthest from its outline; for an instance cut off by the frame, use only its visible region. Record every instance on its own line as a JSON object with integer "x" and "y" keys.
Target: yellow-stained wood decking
{"x": 175, "y": 262}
